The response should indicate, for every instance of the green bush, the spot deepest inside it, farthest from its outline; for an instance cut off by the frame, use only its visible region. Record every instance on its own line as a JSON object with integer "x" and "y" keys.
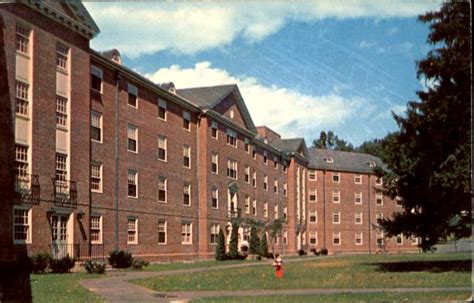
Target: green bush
{"x": 315, "y": 251}
{"x": 94, "y": 267}
{"x": 301, "y": 252}
{"x": 264, "y": 246}
{"x": 62, "y": 265}
{"x": 120, "y": 259}
{"x": 220, "y": 247}
{"x": 254, "y": 243}
{"x": 39, "y": 262}
{"x": 139, "y": 264}
{"x": 324, "y": 251}
{"x": 233, "y": 244}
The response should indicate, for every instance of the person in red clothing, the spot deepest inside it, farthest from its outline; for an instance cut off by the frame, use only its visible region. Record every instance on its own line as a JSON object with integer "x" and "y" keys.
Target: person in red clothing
{"x": 278, "y": 264}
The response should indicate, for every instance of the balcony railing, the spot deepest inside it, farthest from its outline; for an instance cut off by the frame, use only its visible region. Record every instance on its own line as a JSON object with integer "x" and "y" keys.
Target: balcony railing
{"x": 79, "y": 252}
{"x": 27, "y": 189}
{"x": 235, "y": 213}
{"x": 65, "y": 193}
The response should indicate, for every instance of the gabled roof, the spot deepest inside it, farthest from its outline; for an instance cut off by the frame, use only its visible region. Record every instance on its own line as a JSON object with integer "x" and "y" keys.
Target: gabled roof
{"x": 343, "y": 161}
{"x": 208, "y": 98}
{"x": 292, "y": 146}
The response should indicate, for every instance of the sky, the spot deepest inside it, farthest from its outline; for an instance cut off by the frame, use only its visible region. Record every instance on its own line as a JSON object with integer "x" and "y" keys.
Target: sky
{"x": 301, "y": 67}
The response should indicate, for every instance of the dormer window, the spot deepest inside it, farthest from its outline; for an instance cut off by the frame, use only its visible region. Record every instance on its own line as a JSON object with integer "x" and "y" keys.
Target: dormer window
{"x": 116, "y": 58}
{"x": 329, "y": 160}
{"x": 372, "y": 164}
{"x": 231, "y": 114}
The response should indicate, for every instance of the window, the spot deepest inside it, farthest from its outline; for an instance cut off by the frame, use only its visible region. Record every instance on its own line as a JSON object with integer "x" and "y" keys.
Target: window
{"x": 285, "y": 189}
{"x": 96, "y": 177}
{"x": 276, "y": 212}
{"x": 358, "y": 197}
{"x": 96, "y": 126}
{"x": 186, "y": 233}
{"x": 62, "y": 53}
{"x": 162, "y": 109}
{"x": 215, "y": 163}
{"x": 336, "y": 238}
{"x": 358, "y": 218}
{"x": 379, "y": 181}
{"x": 329, "y": 160}
{"x": 285, "y": 237}
{"x": 265, "y": 183}
{"x": 379, "y": 198}
{"x": 22, "y": 97}
{"x": 285, "y": 168}
{"x": 358, "y": 238}
{"x": 214, "y": 131}
{"x": 246, "y": 233}
{"x": 215, "y": 198}
{"x": 247, "y": 174}
{"x": 254, "y": 178}
{"x": 358, "y": 179}
{"x": 313, "y": 216}
{"x": 21, "y": 165}
{"x": 414, "y": 240}
{"x": 275, "y": 186}
{"x": 265, "y": 157}
{"x": 335, "y": 177}
{"x": 232, "y": 138}
{"x": 379, "y": 238}
{"x": 265, "y": 210}
{"x": 186, "y": 121}
{"x": 132, "y": 95}
{"x": 379, "y": 217}
{"x": 61, "y": 111}
{"x": 61, "y": 167}
{"x": 254, "y": 152}
{"x": 247, "y": 204}
{"x": 336, "y": 196}
{"x": 96, "y": 78}
{"x": 22, "y": 39}
{"x": 247, "y": 145}
{"x": 187, "y": 194}
{"x": 313, "y": 238}
{"x": 132, "y": 231}
{"x": 398, "y": 201}
{"x": 132, "y": 179}
{"x": 132, "y": 142}
{"x": 336, "y": 217}
{"x": 313, "y": 195}
{"x": 162, "y": 231}
{"x": 162, "y": 189}
{"x": 285, "y": 213}
{"x": 96, "y": 229}
{"x": 21, "y": 225}
{"x": 214, "y": 233}
{"x": 399, "y": 239}
{"x": 312, "y": 176}
{"x": 187, "y": 156}
{"x": 372, "y": 164}
{"x": 232, "y": 169}
{"x": 254, "y": 207}
{"x": 162, "y": 148}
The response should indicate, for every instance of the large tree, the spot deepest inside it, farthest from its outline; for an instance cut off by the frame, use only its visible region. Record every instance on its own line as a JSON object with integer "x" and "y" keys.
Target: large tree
{"x": 331, "y": 141}
{"x": 429, "y": 158}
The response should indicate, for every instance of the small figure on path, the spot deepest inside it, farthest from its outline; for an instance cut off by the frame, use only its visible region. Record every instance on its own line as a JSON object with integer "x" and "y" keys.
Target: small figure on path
{"x": 278, "y": 264}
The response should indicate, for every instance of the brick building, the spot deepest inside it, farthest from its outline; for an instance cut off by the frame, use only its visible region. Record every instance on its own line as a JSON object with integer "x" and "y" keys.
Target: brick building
{"x": 104, "y": 158}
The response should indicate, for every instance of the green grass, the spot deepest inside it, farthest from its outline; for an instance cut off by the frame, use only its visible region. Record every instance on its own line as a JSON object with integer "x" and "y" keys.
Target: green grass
{"x": 412, "y": 270}
{"x": 373, "y": 297}
{"x": 61, "y": 288}
{"x": 196, "y": 264}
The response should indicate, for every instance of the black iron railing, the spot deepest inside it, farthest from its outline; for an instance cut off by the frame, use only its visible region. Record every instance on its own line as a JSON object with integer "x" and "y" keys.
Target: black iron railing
{"x": 65, "y": 193}
{"x": 27, "y": 189}
{"x": 80, "y": 252}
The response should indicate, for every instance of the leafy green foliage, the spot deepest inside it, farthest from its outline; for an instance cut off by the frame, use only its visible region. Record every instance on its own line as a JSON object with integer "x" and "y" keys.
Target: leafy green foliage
{"x": 330, "y": 141}
{"x": 264, "y": 246}
{"x": 93, "y": 267}
{"x": 220, "y": 247}
{"x": 429, "y": 159}
{"x": 120, "y": 259}
{"x": 234, "y": 242}
{"x": 39, "y": 262}
{"x": 139, "y": 263}
{"x": 62, "y": 265}
{"x": 254, "y": 241}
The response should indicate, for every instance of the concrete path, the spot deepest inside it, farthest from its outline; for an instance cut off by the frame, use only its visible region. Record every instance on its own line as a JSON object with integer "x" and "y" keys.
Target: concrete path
{"x": 116, "y": 288}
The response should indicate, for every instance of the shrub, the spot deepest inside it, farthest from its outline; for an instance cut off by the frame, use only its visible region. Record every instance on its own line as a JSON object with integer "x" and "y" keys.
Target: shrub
{"x": 301, "y": 252}
{"x": 234, "y": 241}
{"x": 264, "y": 246}
{"x": 39, "y": 262}
{"x": 120, "y": 259}
{"x": 324, "y": 251}
{"x": 62, "y": 265}
{"x": 139, "y": 264}
{"x": 315, "y": 251}
{"x": 254, "y": 243}
{"x": 220, "y": 247}
{"x": 94, "y": 267}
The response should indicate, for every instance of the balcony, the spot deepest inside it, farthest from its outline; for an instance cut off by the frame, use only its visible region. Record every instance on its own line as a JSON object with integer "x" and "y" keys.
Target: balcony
{"x": 27, "y": 189}
{"x": 65, "y": 193}
{"x": 235, "y": 213}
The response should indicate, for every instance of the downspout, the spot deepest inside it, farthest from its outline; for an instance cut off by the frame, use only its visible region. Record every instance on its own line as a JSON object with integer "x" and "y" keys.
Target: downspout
{"x": 116, "y": 190}
{"x": 324, "y": 208}
{"x": 198, "y": 200}
{"x": 89, "y": 241}
{"x": 370, "y": 243}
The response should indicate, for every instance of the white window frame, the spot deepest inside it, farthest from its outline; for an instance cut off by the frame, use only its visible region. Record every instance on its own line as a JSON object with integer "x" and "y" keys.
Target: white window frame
{"x": 275, "y": 186}
{"x": 377, "y": 197}
{"x": 247, "y": 145}
{"x": 357, "y": 179}
{"x": 276, "y": 211}
{"x": 313, "y": 192}
{"x": 215, "y": 160}
{"x": 100, "y": 177}
{"x": 163, "y": 141}
{"x": 247, "y": 204}
{"x": 134, "y": 129}
{"x": 132, "y": 231}
{"x": 132, "y": 91}
{"x": 254, "y": 207}
{"x": 399, "y": 236}
{"x": 187, "y": 117}
{"x": 265, "y": 183}
{"x": 312, "y": 175}
{"x": 188, "y": 191}
{"x": 97, "y": 117}
{"x": 22, "y": 99}
{"x": 61, "y": 112}
{"x": 165, "y": 231}
{"x": 62, "y": 57}
{"x": 358, "y": 218}
{"x": 131, "y": 172}
{"x": 379, "y": 181}
{"x": 336, "y": 235}
{"x": 358, "y": 195}
{"x": 359, "y": 235}
{"x": 336, "y": 194}
{"x": 186, "y": 233}
{"x": 96, "y": 71}
{"x": 265, "y": 157}
{"x": 165, "y": 183}
{"x": 285, "y": 189}
{"x": 232, "y": 138}
{"x": 334, "y": 213}
{"x": 247, "y": 174}
{"x": 232, "y": 165}
{"x": 313, "y": 235}
{"x": 215, "y": 195}
{"x": 98, "y": 228}
{"x": 215, "y": 127}
{"x": 162, "y": 105}
{"x": 215, "y": 228}
{"x": 313, "y": 214}
{"x": 338, "y": 175}
{"x": 265, "y": 210}
{"x": 28, "y": 224}
{"x": 187, "y": 154}
{"x": 22, "y": 39}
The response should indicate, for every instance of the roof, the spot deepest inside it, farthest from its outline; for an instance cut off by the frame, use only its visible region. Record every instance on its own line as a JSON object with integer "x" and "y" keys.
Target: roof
{"x": 296, "y": 146}
{"x": 343, "y": 161}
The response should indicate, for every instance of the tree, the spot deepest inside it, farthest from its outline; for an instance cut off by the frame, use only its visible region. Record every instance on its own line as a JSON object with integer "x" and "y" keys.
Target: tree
{"x": 220, "y": 247}
{"x": 429, "y": 159}
{"x": 264, "y": 245}
{"x": 234, "y": 241}
{"x": 254, "y": 244}
{"x": 330, "y": 141}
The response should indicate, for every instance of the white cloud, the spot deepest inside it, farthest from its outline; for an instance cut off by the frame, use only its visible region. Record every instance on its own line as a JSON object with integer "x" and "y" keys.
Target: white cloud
{"x": 150, "y": 27}
{"x": 285, "y": 110}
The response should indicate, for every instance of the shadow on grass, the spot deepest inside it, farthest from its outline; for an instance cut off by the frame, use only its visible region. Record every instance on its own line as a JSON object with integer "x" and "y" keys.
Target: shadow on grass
{"x": 429, "y": 266}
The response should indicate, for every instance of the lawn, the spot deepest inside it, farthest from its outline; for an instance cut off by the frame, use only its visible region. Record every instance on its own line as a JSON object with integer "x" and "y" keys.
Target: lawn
{"x": 61, "y": 288}
{"x": 411, "y": 270}
{"x": 373, "y": 297}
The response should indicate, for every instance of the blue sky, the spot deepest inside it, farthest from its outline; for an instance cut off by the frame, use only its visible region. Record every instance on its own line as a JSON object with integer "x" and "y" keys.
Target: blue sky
{"x": 301, "y": 68}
